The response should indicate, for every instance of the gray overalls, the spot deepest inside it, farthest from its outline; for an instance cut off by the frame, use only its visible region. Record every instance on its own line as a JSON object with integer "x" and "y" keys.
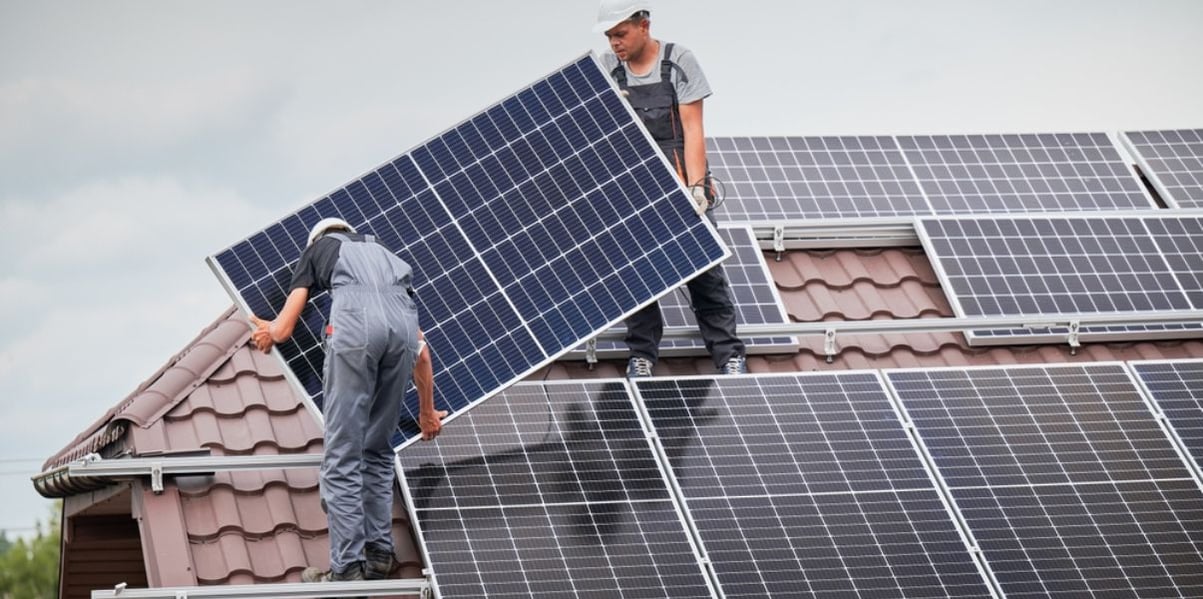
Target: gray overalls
{"x": 710, "y": 295}
{"x": 371, "y": 346}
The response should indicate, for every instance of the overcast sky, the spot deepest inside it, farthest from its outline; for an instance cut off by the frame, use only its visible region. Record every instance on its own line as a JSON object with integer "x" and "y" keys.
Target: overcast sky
{"x": 138, "y": 138}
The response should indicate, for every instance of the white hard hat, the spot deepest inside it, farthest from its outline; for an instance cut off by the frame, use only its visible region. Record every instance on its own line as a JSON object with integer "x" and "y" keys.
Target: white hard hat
{"x": 326, "y": 224}
{"x": 613, "y": 12}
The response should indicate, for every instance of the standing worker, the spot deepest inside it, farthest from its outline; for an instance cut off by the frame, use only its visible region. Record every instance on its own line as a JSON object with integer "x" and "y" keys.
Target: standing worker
{"x": 373, "y": 346}
{"x": 666, "y": 87}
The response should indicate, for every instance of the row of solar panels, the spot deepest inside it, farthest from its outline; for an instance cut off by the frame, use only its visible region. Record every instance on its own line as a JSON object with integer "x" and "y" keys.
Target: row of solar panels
{"x": 1040, "y": 481}
{"x": 789, "y": 178}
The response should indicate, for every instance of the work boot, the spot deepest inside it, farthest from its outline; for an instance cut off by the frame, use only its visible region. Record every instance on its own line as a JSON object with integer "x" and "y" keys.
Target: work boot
{"x": 380, "y": 563}
{"x": 735, "y": 365}
{"x": 639, "y": 366}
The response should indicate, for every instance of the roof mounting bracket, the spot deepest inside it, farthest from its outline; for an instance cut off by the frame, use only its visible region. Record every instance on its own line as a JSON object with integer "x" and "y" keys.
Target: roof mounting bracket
{"x": 829, "y": 347}
{"x": 591, "y": 353}
{"x": 779, "y": 241}
{"x": 1075, "y": 327}
{"x": 156, "y": 481}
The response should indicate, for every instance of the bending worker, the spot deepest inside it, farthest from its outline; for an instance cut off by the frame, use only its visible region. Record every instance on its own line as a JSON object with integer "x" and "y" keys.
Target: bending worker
{"x": 373, "y": 346}
{"x": 666, "y": 87}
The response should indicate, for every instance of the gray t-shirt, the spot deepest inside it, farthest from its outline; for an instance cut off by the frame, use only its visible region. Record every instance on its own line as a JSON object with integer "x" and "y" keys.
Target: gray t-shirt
{"x": 691, "y": 88}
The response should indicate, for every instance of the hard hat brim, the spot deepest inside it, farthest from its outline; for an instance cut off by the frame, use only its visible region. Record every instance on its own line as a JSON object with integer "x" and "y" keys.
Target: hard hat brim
{"x": 607, "y": 25}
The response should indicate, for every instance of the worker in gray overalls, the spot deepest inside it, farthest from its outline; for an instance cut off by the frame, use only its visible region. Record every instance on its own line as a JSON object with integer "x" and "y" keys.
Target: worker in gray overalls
{"x": 373, "y": 347}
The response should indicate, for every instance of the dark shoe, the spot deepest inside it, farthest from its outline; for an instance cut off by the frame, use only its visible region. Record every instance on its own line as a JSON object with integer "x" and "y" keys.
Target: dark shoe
{"x": 380, "y": 563}
{"x": 735, "y": 365}
{"x": 639, "y": 367}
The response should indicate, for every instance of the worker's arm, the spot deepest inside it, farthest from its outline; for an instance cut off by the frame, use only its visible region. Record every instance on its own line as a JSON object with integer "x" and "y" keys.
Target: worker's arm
{"x": 695, "y": 148}
{"x": 429, "y": 420}
{"x": 270, "y": 332}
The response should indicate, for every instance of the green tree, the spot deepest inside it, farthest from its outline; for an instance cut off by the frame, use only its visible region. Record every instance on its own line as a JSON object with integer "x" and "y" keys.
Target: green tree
{"x": 4, "y": 542}
{"x": 29, "y": 568}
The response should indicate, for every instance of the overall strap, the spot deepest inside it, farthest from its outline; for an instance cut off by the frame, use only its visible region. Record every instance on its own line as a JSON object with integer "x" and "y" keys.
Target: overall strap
{"x": 619, "y": 75}
{"x": 667, "y": 66}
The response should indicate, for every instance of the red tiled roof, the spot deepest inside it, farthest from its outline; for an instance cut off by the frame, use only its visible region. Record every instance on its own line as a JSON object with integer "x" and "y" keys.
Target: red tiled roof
{"x": 221, "y": 396}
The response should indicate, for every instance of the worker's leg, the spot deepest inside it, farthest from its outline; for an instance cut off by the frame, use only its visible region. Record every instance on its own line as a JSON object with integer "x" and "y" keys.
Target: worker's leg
{"x": 350, "y": 375}
{"x": 715, "y": 312}
{"x": 387, "y": 406}
{"x": 644, "y": 329}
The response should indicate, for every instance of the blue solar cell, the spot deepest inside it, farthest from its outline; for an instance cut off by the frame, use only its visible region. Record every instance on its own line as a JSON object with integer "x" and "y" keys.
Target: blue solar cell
{"x": 500, "y": 216}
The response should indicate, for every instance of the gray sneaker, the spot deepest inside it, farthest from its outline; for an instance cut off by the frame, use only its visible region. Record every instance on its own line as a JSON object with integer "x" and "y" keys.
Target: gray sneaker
{"x": 639, "y": 366}
{"x": 355, "y": 572}
{"x": 735, "y": 365}
{"x": 311, "y": 574}
{"x": 380, "y": 563}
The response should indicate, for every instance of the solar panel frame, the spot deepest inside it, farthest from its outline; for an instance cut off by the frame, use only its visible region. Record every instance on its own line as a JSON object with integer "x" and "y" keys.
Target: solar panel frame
{"x": 553, "y": 390}
{"x": 824, "y": 489}
{"x": 1172, "y": 160}
{"x": 402, "y": 177}
{"x": 1021, "y": 268}
{"x": 971, "y": 498}
{"x": 1174, "y": 389}
{"x": 750, "y": 280}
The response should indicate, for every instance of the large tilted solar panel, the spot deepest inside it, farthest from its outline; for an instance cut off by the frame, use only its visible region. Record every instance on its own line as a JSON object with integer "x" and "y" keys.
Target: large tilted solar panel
{"x": 772, "y": 178}
{"x": 1065, "y": 479}
{"x": 808, "y": 486}
{"x": 550, "y": 490}
{"x": 531, "y": 226}
{"x": 1173, "y": 161}
{"x": 1039, "y": 172}
{"x": 1046, "y": 265}
{"x": 757, "y": 301}
{"x": 1176, "y": 387}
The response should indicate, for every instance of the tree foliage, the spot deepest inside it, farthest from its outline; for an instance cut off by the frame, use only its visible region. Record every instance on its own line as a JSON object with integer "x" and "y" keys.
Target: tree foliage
{"x": 29, "y": 567}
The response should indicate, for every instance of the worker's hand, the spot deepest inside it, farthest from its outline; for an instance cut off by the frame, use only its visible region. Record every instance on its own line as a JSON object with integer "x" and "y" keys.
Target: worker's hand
{"x": 431, "y": 423}
{"x": 700, "y": 201}
{"x": 262, "y": 336}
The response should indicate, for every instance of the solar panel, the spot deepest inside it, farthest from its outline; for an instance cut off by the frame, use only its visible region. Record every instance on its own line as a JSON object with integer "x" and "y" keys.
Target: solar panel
{"x": 1065, "y": 479}
{"x": 531, "y": 226}
{"x": 1049, "y": 265}
{"x": 757, "y": 301}
{"x": 1173, "y": 162}
{"x": 1176, "y": 387}
{"x": 1040, "y": 172}
{"x": 769, "y": 178}
{"x": 552, "y": 490}
{"x": 808, "y": 486}
{"x": 775, "y": 178}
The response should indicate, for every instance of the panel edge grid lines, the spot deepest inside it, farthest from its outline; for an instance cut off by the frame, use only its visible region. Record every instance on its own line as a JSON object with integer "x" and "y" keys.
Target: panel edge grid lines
{"x": 1153, "y": 177}
{"x": 938, "y": 482}
{"x": 652, "y": 445}
{"x": 952, "y": 515}
{"x": 289, "y": 375}
{"x": 1115, "y": 367}
{"x": 1194, "y": 464}
{"x": 674, "y": 488}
